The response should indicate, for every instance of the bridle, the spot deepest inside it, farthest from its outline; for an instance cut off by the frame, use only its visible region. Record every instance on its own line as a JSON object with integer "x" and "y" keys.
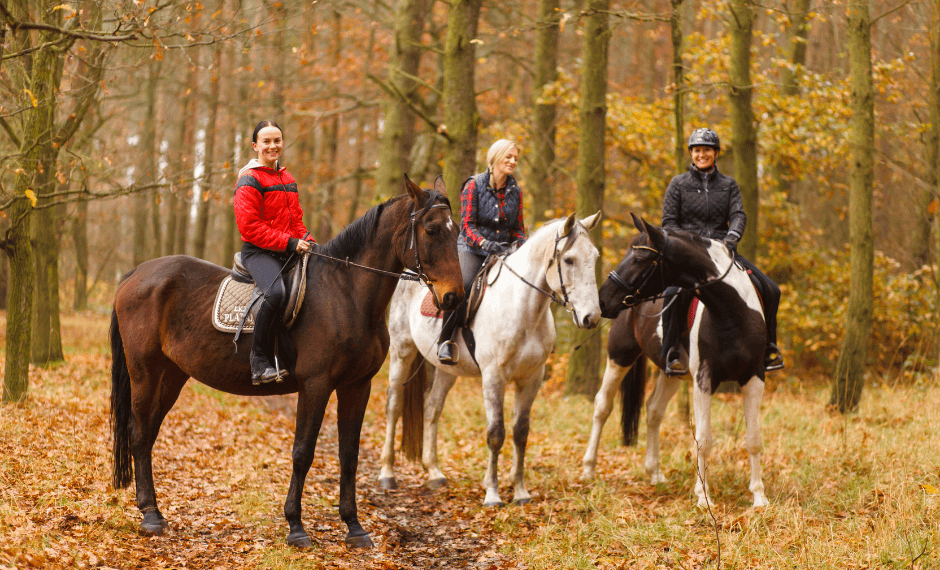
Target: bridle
{"x": 564, "y": 302}
{"x": 634, "y": 294}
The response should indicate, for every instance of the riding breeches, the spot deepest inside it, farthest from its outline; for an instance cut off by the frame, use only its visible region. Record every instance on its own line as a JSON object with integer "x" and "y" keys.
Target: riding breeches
{"x": 265, "y": 268}
{"x": 470, "y": 264}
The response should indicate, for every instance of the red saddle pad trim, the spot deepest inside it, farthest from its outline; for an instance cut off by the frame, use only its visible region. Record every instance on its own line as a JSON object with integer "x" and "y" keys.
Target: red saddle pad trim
{"x": 428, "y": 309}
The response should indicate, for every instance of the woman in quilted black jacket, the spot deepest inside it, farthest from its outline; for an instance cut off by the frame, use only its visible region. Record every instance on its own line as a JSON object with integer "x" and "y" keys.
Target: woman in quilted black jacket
{"x": 709, "y": 203}
{"x": 491, "y": 223}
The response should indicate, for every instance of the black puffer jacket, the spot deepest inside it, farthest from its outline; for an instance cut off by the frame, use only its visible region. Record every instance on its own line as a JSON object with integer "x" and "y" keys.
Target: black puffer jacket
{"x": 707, "y": 203}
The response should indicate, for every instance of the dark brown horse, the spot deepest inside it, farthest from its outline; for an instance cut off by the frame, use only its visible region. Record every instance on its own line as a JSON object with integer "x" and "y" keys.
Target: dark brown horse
{"x": 161, "y": 336}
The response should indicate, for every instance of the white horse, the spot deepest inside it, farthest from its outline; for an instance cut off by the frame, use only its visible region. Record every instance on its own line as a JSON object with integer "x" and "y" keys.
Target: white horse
{"x": 726, "y": 342}
{"x": 514, "y": 334}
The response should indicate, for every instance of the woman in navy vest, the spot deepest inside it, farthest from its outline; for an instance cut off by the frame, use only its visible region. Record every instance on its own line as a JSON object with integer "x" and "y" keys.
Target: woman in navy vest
{"x": 491, "y": 223}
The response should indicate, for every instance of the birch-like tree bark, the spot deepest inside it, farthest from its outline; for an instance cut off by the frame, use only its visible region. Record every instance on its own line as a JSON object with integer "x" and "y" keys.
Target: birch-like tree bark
{"x": 544, "y": 115}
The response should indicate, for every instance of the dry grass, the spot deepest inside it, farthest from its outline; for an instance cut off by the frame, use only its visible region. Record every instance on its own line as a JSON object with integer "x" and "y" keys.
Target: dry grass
{"x": 845, "y": 492}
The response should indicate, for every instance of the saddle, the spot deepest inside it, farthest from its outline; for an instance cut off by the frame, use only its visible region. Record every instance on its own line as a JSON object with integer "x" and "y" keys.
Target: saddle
{"x": 236, "y": 303}
{"x": 485, "y": 277}
{"x": 693, "y": 306}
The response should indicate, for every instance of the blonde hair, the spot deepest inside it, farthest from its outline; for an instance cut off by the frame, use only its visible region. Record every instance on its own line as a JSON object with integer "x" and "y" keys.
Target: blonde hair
{"x": 498, "y": 150}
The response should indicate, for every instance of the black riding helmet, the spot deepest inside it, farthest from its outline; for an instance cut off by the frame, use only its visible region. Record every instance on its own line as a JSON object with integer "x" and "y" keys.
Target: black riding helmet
{"x": 704, "y": 137}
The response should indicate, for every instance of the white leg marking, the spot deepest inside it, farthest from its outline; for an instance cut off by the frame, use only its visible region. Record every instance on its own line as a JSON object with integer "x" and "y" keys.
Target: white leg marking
{"x": 703, "y": 440}
{"x": 433, "y": 406}
{"x": 753, "y": 391}
{"x": 655, "y": 412}
{"x": 603, "y": 405}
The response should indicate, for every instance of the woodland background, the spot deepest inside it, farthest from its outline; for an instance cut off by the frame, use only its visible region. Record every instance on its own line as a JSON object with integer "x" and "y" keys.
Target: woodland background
{"x": 148, "y": 107}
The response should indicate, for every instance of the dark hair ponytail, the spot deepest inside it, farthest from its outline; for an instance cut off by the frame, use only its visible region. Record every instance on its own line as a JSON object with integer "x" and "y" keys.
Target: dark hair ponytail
{"x": 263, "y": 124}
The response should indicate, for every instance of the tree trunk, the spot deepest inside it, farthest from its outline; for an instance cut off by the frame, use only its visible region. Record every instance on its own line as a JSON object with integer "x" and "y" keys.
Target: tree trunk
{"x": 209, "y": 163}
{"x": 584, "y": 364}
{"x": 850, "y": 369}
{"x": 398, "y": 129}
{"x": 363, "y": 117}
{"x": 80, "y": 239}
{"x": 681, "y": 152}
{"x": 327, "y": 202}
{"x": 151, "y": 161}
{"x": 142, "y": 201}
{"x": 544, "y": 115}
{"x": 743, "y": 129}
{"x": 460, "y": 108}
{"x": 933, "y": 139}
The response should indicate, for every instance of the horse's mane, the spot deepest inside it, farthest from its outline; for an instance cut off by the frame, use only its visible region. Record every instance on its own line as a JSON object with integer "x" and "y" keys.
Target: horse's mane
{"x": 356, "y": 235}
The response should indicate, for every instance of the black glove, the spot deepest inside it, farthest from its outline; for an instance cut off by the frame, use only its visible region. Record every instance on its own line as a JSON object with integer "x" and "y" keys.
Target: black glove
{"x": 731, "y": 243}
{"x": 492, "y": 247}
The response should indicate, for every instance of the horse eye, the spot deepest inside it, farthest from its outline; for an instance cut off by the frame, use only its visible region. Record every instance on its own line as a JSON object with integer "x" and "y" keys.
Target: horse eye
{"x": 431, "y": 230}
{"x": 569, "y": 261}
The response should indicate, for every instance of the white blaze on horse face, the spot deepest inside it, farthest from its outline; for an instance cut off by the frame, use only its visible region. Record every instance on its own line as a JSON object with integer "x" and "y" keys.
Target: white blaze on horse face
{"x": 737, "y": 277}
{"x": 450, "y": 225}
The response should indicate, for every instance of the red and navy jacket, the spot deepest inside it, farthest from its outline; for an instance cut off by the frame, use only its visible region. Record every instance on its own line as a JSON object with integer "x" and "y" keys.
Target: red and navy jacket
{"x": 485, "y": 213}
{"x": 267, "y": 208}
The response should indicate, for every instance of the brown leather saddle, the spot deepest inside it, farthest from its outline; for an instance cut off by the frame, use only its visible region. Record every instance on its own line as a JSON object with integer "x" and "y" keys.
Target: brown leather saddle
{"x": 236, "y": 302}
{"x": 485, "y": 277}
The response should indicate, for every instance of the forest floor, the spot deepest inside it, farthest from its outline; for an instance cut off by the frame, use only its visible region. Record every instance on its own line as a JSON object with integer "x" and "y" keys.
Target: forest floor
{"x": 857, "y": 491}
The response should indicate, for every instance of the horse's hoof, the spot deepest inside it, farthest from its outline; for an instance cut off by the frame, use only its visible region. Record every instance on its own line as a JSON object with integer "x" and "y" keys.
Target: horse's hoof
{"x": 494, "y": 504}
{"x": 524, "y": 501}
{"x": 299, "y": 540}
{"x": 388, "y": 483}
{"x": 154, "y": 528}
{"x": 361, "y": 541}
{"x": 435, "y": 484}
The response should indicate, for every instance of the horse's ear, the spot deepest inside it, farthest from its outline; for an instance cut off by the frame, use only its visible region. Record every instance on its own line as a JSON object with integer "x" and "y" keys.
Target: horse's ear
{"x": 439, "y": 185}
{"x": 415, "y": 191}
{"x": 591, "y": 222}
{"x": 638, "y": 222}
{"x": 656, "y": 234}
{"x": 569, "y": 224}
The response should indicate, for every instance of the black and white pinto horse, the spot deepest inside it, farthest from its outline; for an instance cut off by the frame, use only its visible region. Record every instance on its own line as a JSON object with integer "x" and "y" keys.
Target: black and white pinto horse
{"x": 726, "y": 342}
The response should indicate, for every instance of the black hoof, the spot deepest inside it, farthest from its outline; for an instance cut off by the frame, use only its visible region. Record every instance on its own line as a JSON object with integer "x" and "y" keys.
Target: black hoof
{"x": 361, "y": 541}
{"x": 299, "y": 540}
{"x": 388, "y": 483}
{"x": 435, "y": 484}
{"x": 150, "y": 528}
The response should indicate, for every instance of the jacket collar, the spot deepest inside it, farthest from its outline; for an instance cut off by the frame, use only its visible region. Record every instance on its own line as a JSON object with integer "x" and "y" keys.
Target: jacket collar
{"x": 255, "y": 163}
{"x": 703, "y": 175}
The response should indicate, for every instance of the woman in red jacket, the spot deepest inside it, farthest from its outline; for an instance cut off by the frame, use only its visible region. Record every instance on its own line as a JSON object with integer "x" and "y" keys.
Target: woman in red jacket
{"x": 270, "y": 220}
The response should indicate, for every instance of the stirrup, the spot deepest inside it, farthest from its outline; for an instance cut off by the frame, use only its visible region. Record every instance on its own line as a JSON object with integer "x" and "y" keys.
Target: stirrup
{"x": 773, "y": 358}
{"x": 674, "y": 366}
{"x": 448, "y": 353}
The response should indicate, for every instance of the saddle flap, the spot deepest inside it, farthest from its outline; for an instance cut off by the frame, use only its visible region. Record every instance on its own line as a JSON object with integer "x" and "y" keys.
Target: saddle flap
{"x": 240, "y": 272}
{"x": 235, "y": 295}
{"x": 485, "y": 277}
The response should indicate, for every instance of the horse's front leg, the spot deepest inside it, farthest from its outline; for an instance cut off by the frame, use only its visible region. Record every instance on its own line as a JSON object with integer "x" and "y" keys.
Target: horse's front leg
{"x": 398, "y": 371}
{"x": 433, "y": 407}
{"x": 351, "y": 408}
{"x": 494, "y": 393}
{"x": 526, "y": 391}
{"x": 701, "y": 403}
{"x": 603, "y": 405}
{"x": 655, "y": 412}
{"x": 311, "y": 405}
{"x": 753, "y": 391}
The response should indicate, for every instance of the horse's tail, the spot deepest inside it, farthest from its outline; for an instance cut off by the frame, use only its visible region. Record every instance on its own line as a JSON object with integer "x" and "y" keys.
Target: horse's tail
{"x": 632, "y": 391}
{"x": 123, "y": 466}
{"x": 412, "y": 417}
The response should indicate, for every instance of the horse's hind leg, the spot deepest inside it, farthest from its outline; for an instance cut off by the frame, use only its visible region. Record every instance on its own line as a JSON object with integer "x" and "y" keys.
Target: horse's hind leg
{"x": 655, "y": 412}
{"x": 753, "y": 392}
{"x": 494, "y": 394}
{"x": 433, "y": 407}
{"x": 603, "y": 405}
{"x": 526, "y": 391}
{"x": 398, "y": 372}
{"x": 156, "y": 388}
{"x": 701, "y": 403}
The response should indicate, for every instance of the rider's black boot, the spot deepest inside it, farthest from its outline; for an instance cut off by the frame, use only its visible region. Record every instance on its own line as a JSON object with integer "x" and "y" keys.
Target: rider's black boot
{"x": 262, "y": 370}
{"x": 447, "y": 351}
